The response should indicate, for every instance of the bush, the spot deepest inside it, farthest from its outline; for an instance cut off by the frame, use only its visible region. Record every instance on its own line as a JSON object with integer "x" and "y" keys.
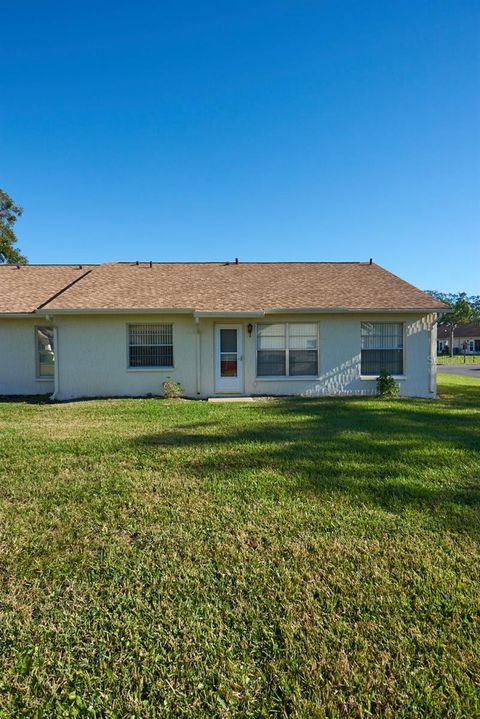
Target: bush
{"x": 172, "y": 389}
{"x": 386, "y": 385}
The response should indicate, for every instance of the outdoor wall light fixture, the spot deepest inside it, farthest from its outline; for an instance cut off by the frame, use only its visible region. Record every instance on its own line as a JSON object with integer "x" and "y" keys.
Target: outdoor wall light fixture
{"x": 250, "y": 329}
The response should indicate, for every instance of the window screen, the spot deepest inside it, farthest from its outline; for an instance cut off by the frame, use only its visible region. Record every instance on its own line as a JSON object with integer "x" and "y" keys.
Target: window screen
{"x": 382, "y": 347}
{"x": 150, "y": 345}
{"x": 287, "y": 349}
{"x": 45, "y": 351}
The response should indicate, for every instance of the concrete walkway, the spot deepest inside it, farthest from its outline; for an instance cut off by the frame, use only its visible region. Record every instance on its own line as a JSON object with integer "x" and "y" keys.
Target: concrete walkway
{"x": 230, "y": 399}
{"x": 464, "y": 370}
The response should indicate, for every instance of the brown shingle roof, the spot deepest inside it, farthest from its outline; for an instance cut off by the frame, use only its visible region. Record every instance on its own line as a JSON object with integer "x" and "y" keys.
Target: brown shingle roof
{"x": 25, "y": 288}
{"x": 471, "y": 329}
{"x": 243, "y": 287}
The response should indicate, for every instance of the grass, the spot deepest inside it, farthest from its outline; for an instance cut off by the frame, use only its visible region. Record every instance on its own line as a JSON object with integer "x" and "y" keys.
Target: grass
{"x": 301, "y": 558}
{"x": 458, "y": 359}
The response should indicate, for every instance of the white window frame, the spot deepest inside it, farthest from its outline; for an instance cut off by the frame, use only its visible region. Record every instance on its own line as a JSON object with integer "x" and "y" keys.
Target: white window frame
{"x": 400, "y": 377}
{"x": 38, "y": 376}
{"x": 286, "y": 377}
{"x": 156, "y": 368}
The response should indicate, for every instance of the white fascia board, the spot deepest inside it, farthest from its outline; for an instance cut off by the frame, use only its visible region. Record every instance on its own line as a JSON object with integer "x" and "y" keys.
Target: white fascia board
{"x": 44, "y": 311}
{"x": 15, "y": 315}
{"x": 208, "y": 314}
{"x": 349, "y": 310}
{"x": 118, "y": 311}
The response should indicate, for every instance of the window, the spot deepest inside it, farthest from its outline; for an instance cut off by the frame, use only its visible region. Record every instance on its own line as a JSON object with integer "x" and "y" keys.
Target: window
{"x": 45, "y": 352}
{"x": 382, "y": 347}
{"x": 287, "y": 349}
{"x": 271, "y": 350}
{"x": 150, "y": 346}
{"x": 228, "y": 353}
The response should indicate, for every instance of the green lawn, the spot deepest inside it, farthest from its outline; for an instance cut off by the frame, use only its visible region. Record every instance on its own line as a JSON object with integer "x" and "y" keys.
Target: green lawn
{"x": 458, "y": 359}
{"x": 301, "y": 558}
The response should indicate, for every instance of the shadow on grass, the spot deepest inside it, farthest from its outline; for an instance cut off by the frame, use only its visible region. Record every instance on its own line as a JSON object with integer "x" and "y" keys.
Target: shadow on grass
{"x": 26, "y": 399}
{"x": 408, "y": 454}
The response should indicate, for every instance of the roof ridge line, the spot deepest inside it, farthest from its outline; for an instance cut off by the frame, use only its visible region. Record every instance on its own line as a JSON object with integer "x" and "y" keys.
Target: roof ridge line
{"x": 51, "y": 264}
{"x": 188, "y": 262}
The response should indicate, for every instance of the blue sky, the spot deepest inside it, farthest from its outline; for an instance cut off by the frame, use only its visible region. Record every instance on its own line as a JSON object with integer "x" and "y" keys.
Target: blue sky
{"x": 260, "y": 130}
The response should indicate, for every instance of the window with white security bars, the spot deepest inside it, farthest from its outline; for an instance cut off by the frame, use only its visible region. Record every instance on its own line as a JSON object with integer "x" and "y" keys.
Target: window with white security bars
{"x": 382, "y": 348}
{"x": 287, "y": 349}
{"x": 150, "y": 346}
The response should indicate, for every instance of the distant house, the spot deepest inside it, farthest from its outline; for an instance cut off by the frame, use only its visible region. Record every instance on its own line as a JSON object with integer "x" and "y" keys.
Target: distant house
{"x": 228, "y": 328}
{"x": 466, "y": 339}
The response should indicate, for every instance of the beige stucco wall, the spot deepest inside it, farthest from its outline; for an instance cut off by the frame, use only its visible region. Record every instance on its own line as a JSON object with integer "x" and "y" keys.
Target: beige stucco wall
{"x": 18, "y": 358}
{"x": 92, "y": 357}
{"x": 339, "y": 361}
{"x": 92, "y": 354}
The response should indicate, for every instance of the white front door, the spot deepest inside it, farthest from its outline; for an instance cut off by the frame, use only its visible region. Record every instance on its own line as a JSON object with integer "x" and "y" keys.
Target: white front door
{"x": 228, "y": 359}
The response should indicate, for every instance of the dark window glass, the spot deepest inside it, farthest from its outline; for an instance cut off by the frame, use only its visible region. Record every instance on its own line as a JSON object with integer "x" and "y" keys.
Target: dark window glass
{"x": 228, "y": 340}
{"x": 271, "y": 363}
{"x": 375, "y": 360}
{"x": 303, "y": 362}
{"x": 151, "y": 356}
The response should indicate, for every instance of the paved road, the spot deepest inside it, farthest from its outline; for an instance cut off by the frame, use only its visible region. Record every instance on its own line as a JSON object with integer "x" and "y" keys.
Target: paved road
{"x": 465, "y": 370}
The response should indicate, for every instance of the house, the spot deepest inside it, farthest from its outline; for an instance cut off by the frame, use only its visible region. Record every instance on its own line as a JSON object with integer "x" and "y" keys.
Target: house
{"x": 466, "y": 339}
{"x": 229, "y": 328}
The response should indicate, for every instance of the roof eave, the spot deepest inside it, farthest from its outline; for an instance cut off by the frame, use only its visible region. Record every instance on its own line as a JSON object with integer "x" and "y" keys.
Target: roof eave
{"x": 115, "y": 310}
{"x": 330, "y": 310}
{"x": 222, "y": 313}
{"x": 17, "y": 315}
{"x": 228, "y": 313}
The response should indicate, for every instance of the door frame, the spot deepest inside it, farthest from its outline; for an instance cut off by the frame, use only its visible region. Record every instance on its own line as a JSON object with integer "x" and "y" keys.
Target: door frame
{"x": 240, "y": 357}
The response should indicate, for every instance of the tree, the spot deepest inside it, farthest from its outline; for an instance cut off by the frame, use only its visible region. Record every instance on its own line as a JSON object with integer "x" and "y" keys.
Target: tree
{"x": 463, "y": 309}
{"x": 9, "y": 213}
